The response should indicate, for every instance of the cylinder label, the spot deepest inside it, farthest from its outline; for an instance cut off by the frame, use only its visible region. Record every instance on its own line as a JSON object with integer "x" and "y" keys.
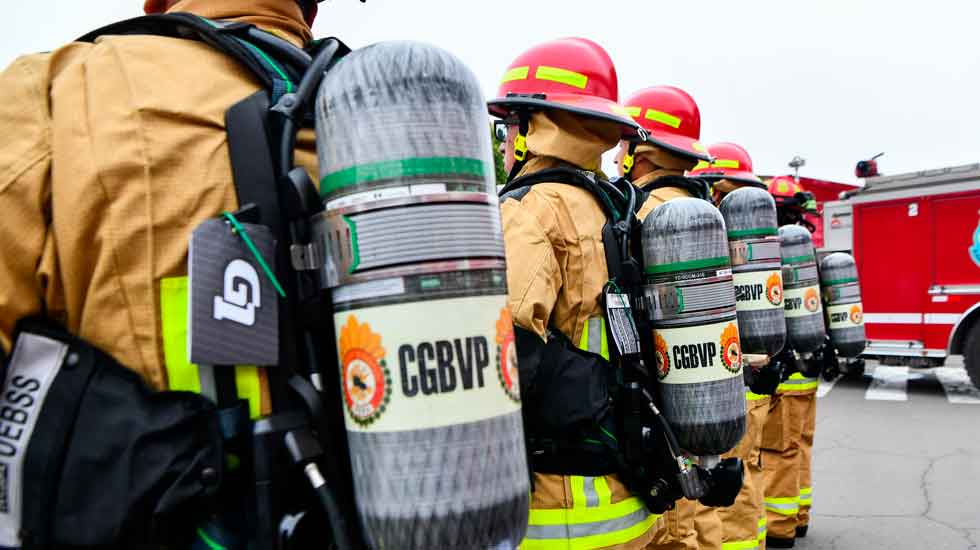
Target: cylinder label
{"x": 426, "y": 365}
{"x": 698, "y": 354}
{"x": 801, "y": 302}
{"x": 845, "y": 316}
{"x": 758, "y": 290}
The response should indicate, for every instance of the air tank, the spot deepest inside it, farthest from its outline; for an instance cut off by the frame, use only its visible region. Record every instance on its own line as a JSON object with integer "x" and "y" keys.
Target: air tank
{"x": 753, "y": 240}
{"x": 691, "y": 302}
{"x": 842, "y": 299}
{"x": 414, "y": 261}
{"x": 804, "y": 314}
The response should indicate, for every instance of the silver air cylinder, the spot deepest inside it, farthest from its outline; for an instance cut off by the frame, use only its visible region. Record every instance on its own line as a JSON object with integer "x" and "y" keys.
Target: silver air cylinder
{"x": 415, "y": 263}
{"x": 842, "y": 299}
{"x": 692, "y": 308}
{"x": 804, "y": 315}
{"x": 753, "y": 240}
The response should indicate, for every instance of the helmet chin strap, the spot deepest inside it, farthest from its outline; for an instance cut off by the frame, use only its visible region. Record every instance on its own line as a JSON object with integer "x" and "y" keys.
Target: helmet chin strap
{"x": 629, "y": 160}
{"x": 520, "y": 145}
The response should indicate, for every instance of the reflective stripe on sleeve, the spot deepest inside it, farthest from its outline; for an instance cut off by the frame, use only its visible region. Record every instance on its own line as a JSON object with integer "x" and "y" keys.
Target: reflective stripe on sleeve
{"x": 798, "y": 382}
{"x": 182, "y": 375}
{"x": 749, "y": 396}
{"x": 785, "y": 506}
{"x": 806, "y": 496}
{"x": 593, "y": 521}
{"x": 594, "y": 337}
{"x": 741, "y": 545}
{"x": 585, "y": 535}
{"x": 762, "y": 527}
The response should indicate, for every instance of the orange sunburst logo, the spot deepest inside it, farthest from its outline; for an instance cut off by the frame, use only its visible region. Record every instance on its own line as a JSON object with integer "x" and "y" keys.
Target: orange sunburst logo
{"x": 507, "y": 356}
{"x": 365, "y": 377}
{"x": 811, "y": 300}
{"x": 774, "y": 289}
{"x": 857, "y": 315}
{"x": 731, "y": 348}
{"x": 662, "y": 355}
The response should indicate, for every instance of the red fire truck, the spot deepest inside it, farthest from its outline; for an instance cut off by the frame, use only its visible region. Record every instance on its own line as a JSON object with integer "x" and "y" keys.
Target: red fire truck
{"x": 916, "y": 239}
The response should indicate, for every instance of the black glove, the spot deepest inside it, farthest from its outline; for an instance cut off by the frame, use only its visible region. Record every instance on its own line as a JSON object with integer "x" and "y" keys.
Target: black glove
{"x": 724, "y": 481}
{"x": 768, "y": 378}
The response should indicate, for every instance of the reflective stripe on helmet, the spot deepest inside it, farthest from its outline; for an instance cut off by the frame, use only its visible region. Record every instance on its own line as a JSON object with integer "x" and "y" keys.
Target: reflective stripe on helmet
{"x": 515, "y": 73}
{"x": 663, "y": 118}
{"x": 562, "y": 76}
{"x": 725, "y": 163}
{"x": 182, "y": 375}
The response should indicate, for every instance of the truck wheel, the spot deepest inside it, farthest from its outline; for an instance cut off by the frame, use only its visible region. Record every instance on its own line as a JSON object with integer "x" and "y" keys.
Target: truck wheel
{"x": 971, "y": 355}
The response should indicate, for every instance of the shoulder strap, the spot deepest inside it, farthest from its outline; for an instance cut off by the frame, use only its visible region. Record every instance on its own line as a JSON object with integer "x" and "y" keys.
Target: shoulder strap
{"x": 698, "y": 188}
{"x": 275, "y": 62}
{"x": 609, "y": 198}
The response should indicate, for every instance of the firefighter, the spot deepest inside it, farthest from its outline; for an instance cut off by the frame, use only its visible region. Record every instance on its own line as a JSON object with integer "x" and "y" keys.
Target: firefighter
{"x": 115, "y": 151}
{"x": 744, "y": 523}
{"x": 787, "y": 442}
{"x": 558, "y": 101}
{"x": 673, "y": 124}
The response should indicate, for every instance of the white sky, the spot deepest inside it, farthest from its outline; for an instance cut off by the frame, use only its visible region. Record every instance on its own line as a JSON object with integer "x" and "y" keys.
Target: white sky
{"x": 832, "y": 80}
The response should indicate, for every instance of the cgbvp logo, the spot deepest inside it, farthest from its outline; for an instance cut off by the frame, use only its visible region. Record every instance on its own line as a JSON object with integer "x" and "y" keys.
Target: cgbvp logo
{"x": 242, "y": 294}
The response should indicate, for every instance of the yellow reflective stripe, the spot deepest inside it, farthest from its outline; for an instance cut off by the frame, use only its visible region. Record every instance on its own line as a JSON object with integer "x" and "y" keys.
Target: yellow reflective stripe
{"x": 594, "y": 337}
{"x": 762, "y": 527}
{"x": 786, "y": 506}
{"x": 741, "y": 545}
{"x": 182, "y": 375}
{"x": 725, "y": 163}
{"x": 798, "y": 382}
{"x": 563, "y": 76}
{"x": 619, "y": 110}
{"x": 754, "y": 396}
{"x": 515, "y": 73}
{"x": 578, "y": 491}
{"x": 562, "y": 516}
{"x": 604, "y": 345}
{"x": 605, "y": 493}
{"x": 249, "y": 387}
{"x": 634, "y": 111}
{"x": 698, "y": 146}
{"x": 806, "y": 496}
{"x": 587, "y": 542}
{"x": 702, "y": 165}
{"x": 663, "y": 118}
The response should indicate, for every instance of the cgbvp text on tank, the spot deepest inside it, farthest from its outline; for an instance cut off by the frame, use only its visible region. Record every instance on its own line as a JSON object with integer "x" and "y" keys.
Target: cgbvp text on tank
{"x": 443, "y": 365}
{"x": 692, "y": 356}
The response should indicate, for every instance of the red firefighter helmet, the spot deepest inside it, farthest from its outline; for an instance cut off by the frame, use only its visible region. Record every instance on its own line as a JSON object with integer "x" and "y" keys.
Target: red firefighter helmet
{"x": 570, "y": 74}
{"x": 731, "y": 162}
{"x": 789, "y": 194}
{"x": 671, "y": 119}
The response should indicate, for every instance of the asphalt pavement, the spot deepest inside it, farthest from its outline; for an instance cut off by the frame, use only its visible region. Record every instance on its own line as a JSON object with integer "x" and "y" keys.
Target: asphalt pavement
{"x": 897, "y": 462}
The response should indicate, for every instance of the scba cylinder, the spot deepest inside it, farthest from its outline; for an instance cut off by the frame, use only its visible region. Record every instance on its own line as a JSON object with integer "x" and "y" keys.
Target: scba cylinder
{"x": 804, "y": 315}
{"x": 695, "y": 338}
{"x": 842, "y": 298}
{"x": 414, "y": 260}
{"x": 753, "y": 240}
